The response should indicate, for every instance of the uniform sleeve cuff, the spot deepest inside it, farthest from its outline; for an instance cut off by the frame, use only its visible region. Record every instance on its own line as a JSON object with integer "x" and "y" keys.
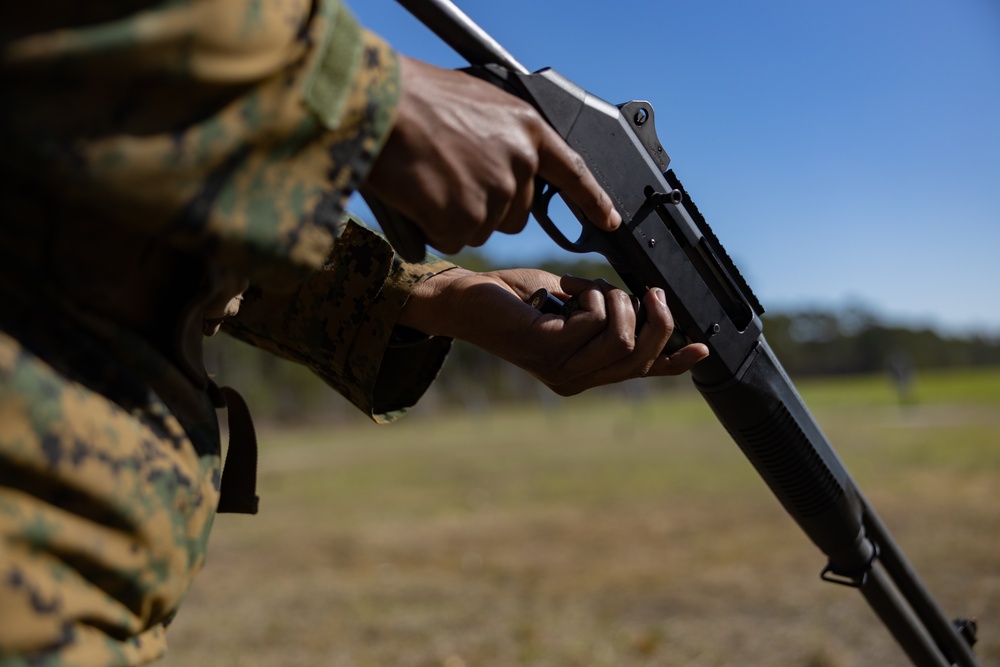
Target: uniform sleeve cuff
{"x": 341, "y": 321}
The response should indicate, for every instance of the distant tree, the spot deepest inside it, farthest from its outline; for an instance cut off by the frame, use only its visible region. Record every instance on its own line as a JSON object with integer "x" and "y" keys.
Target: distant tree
{"x": 812, "y": 342}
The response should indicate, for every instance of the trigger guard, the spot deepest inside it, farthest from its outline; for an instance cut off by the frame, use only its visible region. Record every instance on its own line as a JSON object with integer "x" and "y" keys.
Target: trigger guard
{"x": 540, "y": 209}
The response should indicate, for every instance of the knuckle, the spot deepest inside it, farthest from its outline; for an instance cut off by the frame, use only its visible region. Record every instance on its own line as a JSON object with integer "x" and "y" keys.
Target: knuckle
{"x": 559, "y": 376}
{"x": 506, "y": 186}
{"x": 529, "y": 116}
{"x": 450, "y": 247}
{"x": 619, "y": 295}
{"x": 565, "y": 390}
{"x": 623, "y": 343}
{"x": 578, "y": 168}
{"x": 525, "y": 159}
{"x": 514, "y": 222}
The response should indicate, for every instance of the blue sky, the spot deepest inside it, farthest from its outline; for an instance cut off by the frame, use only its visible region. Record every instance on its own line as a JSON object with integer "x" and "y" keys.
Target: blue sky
{"x": 844, "y": 152}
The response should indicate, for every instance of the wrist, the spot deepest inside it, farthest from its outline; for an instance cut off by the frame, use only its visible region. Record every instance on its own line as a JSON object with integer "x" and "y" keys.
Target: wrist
{"x": 429, "y": 309}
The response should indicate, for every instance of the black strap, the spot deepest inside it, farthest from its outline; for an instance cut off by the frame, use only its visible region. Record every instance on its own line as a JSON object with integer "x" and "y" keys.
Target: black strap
{"x": 238, "y": 490}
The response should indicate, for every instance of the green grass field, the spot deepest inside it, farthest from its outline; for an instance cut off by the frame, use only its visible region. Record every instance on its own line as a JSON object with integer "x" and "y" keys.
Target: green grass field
{"x": 593, "y": 532}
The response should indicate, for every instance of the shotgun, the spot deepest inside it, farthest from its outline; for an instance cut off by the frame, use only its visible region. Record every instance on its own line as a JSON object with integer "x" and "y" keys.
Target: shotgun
{"x": 665, "y": 242}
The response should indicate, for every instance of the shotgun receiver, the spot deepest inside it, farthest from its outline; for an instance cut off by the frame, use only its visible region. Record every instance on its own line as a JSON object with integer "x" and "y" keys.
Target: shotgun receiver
{"x": 665, "y": 242}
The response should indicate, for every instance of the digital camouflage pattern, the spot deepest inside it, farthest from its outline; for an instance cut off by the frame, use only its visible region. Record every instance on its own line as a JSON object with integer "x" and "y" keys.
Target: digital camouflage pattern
{"x": 156, "y": 155}
{"x": 107, "y": 494}
{"x": 194, "y": 121}
{"x": 332, "y": 320}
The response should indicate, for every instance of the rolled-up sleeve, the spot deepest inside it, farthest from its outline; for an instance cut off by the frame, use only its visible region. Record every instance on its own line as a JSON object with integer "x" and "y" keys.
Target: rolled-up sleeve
{"x": 340, "y": 322}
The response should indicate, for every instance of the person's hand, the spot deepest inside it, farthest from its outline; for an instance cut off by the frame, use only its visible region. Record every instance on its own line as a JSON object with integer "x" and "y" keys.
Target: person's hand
{"x": 463, "y": 155}
{"x": 596, "y": 345}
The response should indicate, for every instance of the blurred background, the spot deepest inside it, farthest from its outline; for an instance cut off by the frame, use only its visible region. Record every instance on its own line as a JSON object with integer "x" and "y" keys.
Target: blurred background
{"x": 846, "y": 155}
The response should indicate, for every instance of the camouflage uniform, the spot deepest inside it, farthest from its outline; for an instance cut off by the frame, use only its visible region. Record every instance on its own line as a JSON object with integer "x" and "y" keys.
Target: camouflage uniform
{"x": 157, "y": 156}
